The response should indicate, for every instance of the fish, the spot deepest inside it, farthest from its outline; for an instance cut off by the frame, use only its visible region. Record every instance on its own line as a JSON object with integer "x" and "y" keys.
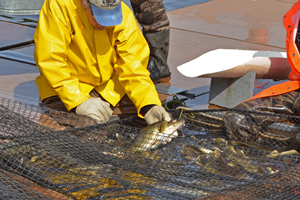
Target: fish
{"x": 152, "y": 136}
{"x": 275, "y": 153}
{"x": 222, "y": 141}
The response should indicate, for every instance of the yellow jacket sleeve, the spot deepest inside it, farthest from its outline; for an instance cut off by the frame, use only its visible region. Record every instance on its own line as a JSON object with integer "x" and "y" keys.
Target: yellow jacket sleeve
{"x": 131, "y": 67}
{"x": 53, "y": 36}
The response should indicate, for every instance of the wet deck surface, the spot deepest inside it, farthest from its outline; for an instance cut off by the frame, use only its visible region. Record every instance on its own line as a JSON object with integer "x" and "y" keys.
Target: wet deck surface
{"x": 14, "y": 34}
{"x": 195, "y": 30}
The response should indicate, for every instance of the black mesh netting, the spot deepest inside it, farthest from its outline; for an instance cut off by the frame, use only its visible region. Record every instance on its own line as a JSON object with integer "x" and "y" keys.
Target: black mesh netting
{"x": 218, "y": 154}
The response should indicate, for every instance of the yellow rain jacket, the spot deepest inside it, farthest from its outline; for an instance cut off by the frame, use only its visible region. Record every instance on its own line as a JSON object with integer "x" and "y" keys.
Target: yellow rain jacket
{"x": 74, "y": 57}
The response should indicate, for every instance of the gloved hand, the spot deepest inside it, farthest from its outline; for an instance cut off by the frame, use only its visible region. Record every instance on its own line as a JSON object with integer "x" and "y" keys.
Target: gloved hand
{"x": 156, "y": 114}
{"x": 96, "y": 109}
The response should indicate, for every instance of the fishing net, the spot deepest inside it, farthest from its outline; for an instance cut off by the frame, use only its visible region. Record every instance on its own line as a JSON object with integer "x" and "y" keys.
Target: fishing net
{"x": 218, "y": 154}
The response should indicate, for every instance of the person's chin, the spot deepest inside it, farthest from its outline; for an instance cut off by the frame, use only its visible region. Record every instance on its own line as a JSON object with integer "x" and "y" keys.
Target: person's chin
{"x": 99, "y": 27}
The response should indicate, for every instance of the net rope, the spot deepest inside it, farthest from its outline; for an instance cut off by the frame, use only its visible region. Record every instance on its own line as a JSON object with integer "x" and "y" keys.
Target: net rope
{"x": 218, "y": 154}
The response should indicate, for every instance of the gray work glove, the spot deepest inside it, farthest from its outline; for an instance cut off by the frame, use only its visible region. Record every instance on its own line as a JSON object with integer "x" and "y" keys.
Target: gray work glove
{"x": 96, "y": 109}
{"x": 157, "y": 114}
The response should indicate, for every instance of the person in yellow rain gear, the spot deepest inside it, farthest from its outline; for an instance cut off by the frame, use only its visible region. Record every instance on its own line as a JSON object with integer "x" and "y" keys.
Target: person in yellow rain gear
{"x": 92, "y": 57}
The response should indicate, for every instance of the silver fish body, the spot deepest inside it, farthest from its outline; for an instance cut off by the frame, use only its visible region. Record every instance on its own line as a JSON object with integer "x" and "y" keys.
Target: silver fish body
{"x": 154, "y": 135}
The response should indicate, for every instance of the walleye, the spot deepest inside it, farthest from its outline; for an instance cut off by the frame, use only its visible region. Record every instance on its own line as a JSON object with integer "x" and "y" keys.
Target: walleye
{"x": 156, "y": 134}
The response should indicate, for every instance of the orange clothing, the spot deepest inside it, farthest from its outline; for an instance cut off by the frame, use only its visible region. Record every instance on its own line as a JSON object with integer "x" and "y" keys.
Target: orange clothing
{"x": 290, "y": 21}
